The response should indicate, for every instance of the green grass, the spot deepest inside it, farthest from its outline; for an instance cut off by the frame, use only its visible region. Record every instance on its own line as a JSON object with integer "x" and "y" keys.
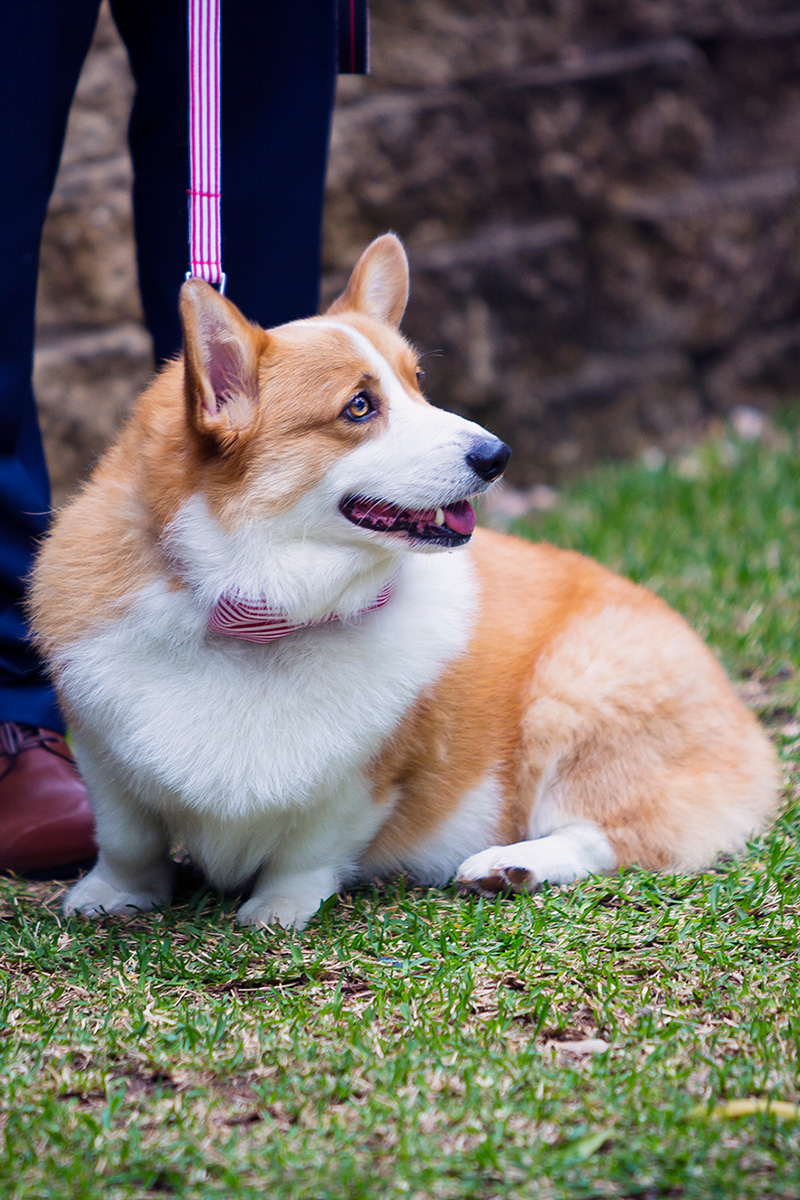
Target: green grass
{"x": 422, "y": 1044}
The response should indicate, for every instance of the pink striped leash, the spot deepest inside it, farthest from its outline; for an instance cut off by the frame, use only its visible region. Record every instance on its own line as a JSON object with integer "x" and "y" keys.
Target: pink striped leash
{"x": 254, "y": 621}
{"x": 205, "y": 231}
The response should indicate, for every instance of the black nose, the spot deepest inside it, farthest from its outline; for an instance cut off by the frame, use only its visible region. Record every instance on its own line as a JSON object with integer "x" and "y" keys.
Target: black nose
{"x": 488, "y": 459}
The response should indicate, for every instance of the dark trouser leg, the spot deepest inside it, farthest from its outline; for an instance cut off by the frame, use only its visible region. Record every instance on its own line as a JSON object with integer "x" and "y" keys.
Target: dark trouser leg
{"x": 42, "y": 46}
{"x": 278, "y": 74}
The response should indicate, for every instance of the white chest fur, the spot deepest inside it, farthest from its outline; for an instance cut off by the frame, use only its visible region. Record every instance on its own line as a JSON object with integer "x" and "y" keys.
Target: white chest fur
{"x": 202, "y": 727}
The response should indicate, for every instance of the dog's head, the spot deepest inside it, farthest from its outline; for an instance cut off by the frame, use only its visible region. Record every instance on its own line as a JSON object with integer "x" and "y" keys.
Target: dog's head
{"x": 321, "y": 424}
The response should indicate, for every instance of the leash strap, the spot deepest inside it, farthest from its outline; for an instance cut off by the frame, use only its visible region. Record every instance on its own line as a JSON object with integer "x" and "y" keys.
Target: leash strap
{"x": 352, "y": 36}
{"x": 205, "y": 231}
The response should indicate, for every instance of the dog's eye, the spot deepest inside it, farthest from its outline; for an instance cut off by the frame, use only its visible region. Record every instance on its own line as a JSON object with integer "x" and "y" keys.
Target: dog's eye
{"x": 420, "y": 376}
{"x": 359, "y": 407}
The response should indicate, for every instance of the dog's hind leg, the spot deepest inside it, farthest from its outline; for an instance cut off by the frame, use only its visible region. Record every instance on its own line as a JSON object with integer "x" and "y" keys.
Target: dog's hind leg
{"x": 567, "y": 854}
{"x": 664, "y": 788}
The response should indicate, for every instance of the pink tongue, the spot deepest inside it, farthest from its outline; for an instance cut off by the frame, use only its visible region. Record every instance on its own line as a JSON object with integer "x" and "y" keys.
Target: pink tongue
{"x": 460, "y": 518}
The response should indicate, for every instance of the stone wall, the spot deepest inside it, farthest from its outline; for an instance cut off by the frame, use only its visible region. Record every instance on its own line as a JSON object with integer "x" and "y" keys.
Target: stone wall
{"x": 601, "y": 202}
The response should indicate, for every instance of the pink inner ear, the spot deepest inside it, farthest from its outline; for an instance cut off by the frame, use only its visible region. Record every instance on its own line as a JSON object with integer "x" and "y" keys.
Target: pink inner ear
{"x": 225, "y": 368}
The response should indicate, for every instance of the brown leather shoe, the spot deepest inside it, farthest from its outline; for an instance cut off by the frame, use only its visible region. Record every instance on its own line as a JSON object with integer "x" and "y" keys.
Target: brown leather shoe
{"x": 46, "y": 820}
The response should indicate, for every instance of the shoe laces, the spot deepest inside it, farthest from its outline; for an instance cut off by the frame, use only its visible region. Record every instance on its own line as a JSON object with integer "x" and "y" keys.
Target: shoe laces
{"x": 15, "y": 738}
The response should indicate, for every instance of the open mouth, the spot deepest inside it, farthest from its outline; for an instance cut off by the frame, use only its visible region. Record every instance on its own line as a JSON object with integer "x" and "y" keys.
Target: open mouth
{"x": 450, "y": 525}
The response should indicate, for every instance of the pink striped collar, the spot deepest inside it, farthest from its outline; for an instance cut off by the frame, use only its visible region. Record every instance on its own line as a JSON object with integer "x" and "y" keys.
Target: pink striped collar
{"x": 255, "y": 621}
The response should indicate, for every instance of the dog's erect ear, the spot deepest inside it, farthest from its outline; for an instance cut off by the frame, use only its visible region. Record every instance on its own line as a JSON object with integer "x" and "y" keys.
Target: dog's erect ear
{"x": 378, "y": 286}
{"x": 221, "y": 353}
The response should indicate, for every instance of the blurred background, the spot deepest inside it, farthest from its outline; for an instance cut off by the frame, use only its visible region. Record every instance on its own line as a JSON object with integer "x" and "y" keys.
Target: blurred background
{"x": 600, "y": 200}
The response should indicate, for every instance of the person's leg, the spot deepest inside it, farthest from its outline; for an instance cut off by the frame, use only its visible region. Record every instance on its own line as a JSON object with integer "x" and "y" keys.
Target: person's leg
{"x": 277, "y": 82}
{"x": 45, "y": 819}
{"x": 42, "y": 46}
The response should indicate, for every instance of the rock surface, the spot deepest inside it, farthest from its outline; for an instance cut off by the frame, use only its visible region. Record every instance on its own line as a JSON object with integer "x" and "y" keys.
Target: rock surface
{"x": 601, "y": 202}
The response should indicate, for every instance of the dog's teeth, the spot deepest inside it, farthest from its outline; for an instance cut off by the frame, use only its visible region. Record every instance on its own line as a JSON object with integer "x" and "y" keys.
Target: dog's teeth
{"x": 440, "y": 516}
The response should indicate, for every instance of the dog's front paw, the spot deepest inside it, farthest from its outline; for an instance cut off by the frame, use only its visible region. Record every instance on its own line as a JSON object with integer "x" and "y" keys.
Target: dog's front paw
{"x": 494, "y": 871}
{"x": 94, "y": 896}
{"x": 290, "y": 902}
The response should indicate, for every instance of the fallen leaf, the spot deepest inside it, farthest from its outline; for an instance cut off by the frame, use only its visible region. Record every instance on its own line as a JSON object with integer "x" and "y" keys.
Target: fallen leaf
{"x": 584, "y": 1046}
{"x": 747, "y": 1107}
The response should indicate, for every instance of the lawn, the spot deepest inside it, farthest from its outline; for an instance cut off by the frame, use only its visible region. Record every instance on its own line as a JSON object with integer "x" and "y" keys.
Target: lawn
{"x": 581, "y": 1042}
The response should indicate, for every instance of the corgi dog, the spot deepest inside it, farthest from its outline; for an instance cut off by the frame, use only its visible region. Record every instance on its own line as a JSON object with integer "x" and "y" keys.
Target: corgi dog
{"x": 278, "y": 641}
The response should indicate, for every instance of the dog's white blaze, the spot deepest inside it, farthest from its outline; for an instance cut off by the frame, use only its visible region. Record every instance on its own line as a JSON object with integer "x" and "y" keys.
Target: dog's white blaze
{"x": 420, "y": 461}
